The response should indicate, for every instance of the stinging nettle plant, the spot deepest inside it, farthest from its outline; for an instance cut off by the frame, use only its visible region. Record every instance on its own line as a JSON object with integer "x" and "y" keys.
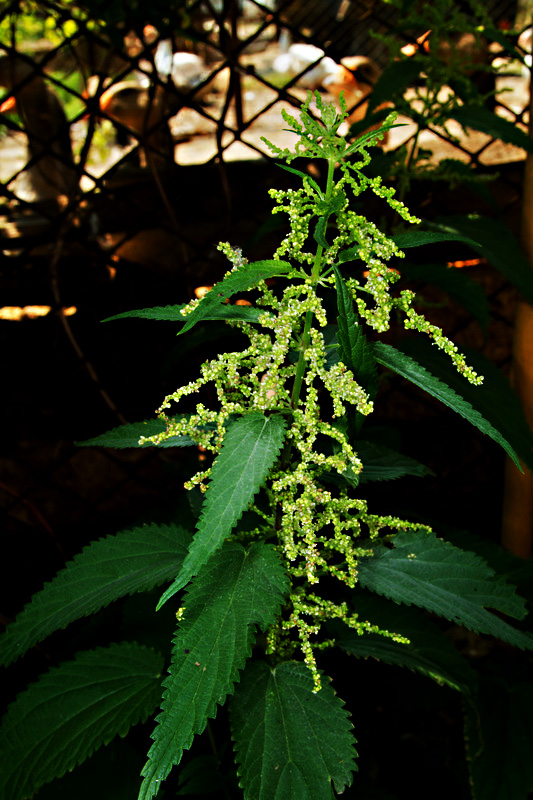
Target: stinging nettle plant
{"x": 287, "y": 559}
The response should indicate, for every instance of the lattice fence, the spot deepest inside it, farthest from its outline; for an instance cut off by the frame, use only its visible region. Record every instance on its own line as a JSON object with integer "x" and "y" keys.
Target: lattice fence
{"x": 126, "y": 154}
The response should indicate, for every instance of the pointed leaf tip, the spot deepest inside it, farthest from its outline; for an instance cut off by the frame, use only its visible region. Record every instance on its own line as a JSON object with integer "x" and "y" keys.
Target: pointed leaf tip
{"x": 43, "y": 736}
{"x": 249, "y": 451}
{"x": 291, "y": 742}
{"x": 234, "y": 593}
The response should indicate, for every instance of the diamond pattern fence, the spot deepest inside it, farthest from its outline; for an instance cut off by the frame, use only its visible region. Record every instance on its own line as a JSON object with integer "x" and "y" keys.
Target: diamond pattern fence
{"x": 127, "y": 151}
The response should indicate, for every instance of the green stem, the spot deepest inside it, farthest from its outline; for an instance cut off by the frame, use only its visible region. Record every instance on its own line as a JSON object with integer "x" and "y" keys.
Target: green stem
{"x": 315, "y": 274}
{"x": 306, "y": 336}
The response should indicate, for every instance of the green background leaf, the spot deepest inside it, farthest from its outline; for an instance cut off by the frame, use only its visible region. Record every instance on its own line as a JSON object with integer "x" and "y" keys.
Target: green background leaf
{"x": 249, "y": 451}
{"x": 497, "y": 244}
{"x": 381, "y": 463}
{"x": 130, "y": 561}
{"x": 239, "y": 280}
{"x": 235, "y": 592}
{"x": 291, "y": 743}
{"x": 418, "y": 238}
{"x": 354, "y": 350}
{"x": 72, "y": 710}
{"x": 425, "y": 571}
{"x": 497, "y": 401}
{"x": 409, "y": 368}
{"x": 128, "y": 435}
{"x": 429, "y": 652}
{"x": 173, "y": 313}
{"x": 112, "y": 773}
{"x": 486, "y": 121}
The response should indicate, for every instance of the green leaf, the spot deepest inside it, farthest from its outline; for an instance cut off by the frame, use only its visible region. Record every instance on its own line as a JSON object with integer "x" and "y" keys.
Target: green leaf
{"x": 419, "y": 238}
{"x": 235, "y": 592}
{"x": 482, "y": 119}
{"x": 381, "y": 463}
{"x": 393, "y": 81}
{"x": 174, "y": 313}
{"x": 370, "y": 119}
{"x": 498, "y": 245}
{"x": 72, "y": 710}
{"x": 429, "y": 652}
{"x": 511, "y": 568}
{"x": 304, "y": 177}
{"x": 455, "y": 282}
{"x": 354, "y": 349}
{"x": 131, "y": 561}
{"x": 109, "y": 774}
{"x": 428, "y": 572}
{"x": 408, "y": 368}
{"x": 497, "y": 402}
{"x": 349, "y": 255}
{"x": 499, "y": 739}
{"x": 291, "y": 743}
{"x": 238, "y": 280}
{"x": 128, "y": 435}
{"x": 249, "y": 451}
{"x": 373, "y": 137}
{"x": 320, "y": 232}
{"x": 162, "y": 313}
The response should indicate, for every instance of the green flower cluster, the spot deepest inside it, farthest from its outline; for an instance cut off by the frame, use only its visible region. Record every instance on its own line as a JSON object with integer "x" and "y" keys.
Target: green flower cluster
{"x": 319, "y": 526}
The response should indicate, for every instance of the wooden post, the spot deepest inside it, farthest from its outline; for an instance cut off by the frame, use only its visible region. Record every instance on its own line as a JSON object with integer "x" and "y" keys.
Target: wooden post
{"x": 517, "y": 531}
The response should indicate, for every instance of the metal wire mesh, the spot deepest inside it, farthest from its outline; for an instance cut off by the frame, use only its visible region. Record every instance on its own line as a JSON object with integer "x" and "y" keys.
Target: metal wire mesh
{"x": 121, "y": 166}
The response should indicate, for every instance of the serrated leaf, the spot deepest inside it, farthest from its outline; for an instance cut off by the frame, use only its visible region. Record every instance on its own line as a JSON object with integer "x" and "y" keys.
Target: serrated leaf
{"x": 418, "y": 238}
{"x": 109, "y": 774}
{"x": 234, "y": 593}
{"x": 455, "y": 282}
{"x": 498, "y": 245}
{"x": 371, "y": 119}
{"x": 174, "y": 313}
{"x": 429, "y": 652}
{"x": 291, "y": 743}
{"x": 320, "y": 232}
{"x": 350, "y": 254}
{"x": 497, "y": 402}
{"x": 249, "y": 451}
{"x": 408, "y": 368}
{"x": 432, "y": 574}
{"x": 482, "y": 119}
{"x": 110, "y": 568}
{"x": 499, "y": 739}
{"x": 373, "y": 137}
{"x": 511, "y": 568}
{"x": 128, "y": 435}
{"x": 161, "y": 313}
{"x": 381, "y": 463}
{"x": 355, "y": 351}
{"x": 302, "y": 175}
{"x": 239, "y": 280}
{"x": 72, "y": 710}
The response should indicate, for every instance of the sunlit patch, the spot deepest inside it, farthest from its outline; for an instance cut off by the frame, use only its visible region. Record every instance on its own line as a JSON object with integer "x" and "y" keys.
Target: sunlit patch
{"x": 8, "y": 105}
{"x": 421, "y": 43}
{"x": 16, "y": 313}
{"x": 201, "y": 291}
{"x": 469, "y": 262}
